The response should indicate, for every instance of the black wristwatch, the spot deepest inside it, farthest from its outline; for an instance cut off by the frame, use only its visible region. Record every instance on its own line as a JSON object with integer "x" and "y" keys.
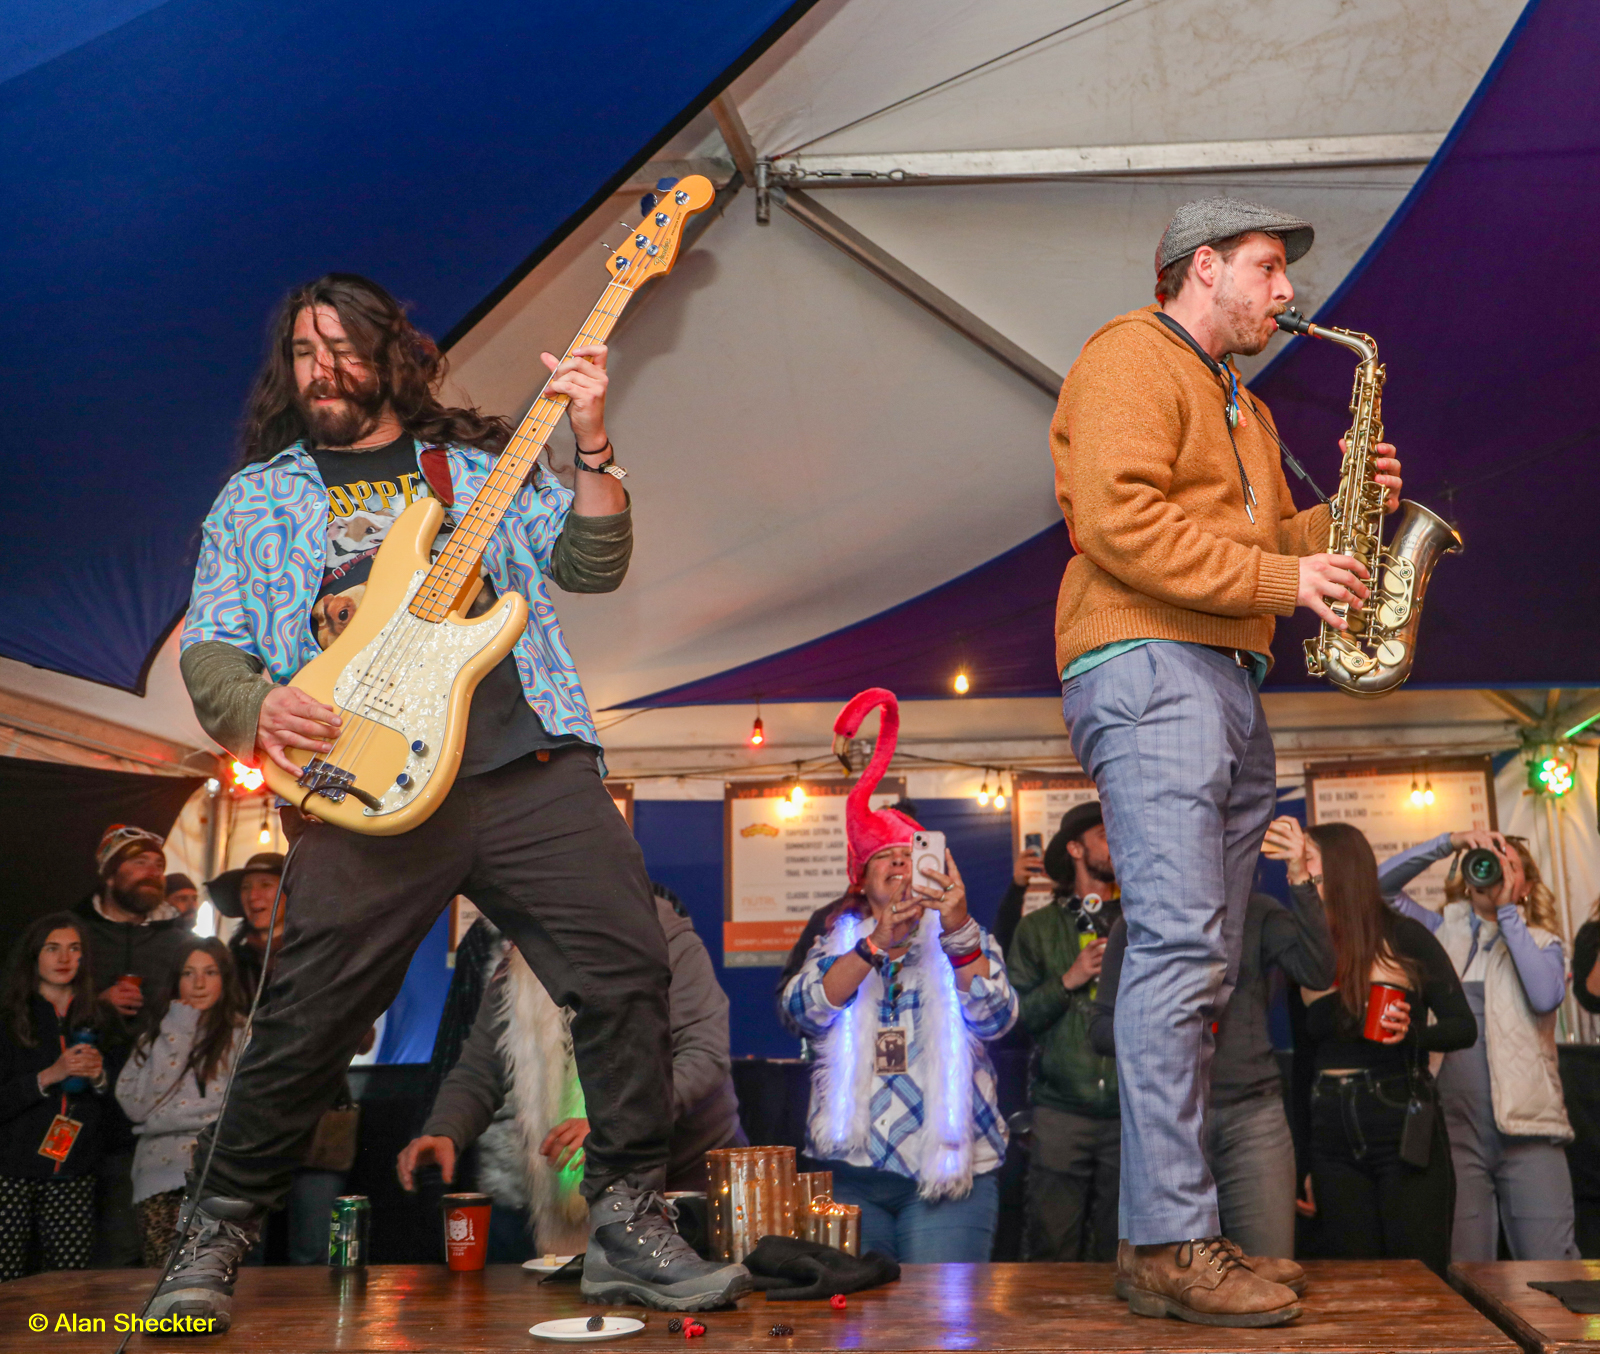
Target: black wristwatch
{"x": 870, "y": 953}
{"x": 607, "y": 467}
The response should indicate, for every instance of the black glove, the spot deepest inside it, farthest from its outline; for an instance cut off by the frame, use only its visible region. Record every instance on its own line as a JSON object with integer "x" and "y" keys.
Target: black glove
{"x": 812, "y": 1270}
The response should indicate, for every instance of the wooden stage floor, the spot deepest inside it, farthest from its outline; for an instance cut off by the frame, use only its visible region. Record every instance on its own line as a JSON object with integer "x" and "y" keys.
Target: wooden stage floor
{"x": 1536, "y": 1320}
{"x": 1362, "y": 1307}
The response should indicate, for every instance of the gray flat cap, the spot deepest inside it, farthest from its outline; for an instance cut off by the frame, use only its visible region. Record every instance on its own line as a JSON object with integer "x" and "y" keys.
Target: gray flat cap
{"x": 1216, "y": 218}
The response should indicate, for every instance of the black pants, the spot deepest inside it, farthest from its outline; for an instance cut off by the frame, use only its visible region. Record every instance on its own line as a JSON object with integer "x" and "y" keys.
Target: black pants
{"x": 1074, "y": 1176}
{"x": 540, "y": 847}
{"x": 1370, "y": 1204}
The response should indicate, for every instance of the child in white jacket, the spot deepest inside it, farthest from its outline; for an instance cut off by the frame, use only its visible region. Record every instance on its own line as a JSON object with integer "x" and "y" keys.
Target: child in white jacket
{"x": 171, "y": 1085}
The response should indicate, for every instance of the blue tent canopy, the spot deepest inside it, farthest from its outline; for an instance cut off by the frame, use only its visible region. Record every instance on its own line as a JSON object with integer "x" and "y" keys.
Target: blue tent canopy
{"x": 173, "y": 168}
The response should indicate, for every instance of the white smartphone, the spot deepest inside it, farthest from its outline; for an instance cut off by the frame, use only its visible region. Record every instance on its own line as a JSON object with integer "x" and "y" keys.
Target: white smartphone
{"x": 927, "y": 853}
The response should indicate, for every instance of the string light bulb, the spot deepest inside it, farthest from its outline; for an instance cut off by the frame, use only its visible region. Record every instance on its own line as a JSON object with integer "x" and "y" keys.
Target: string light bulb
{"x": 797, "y": 796}
{"x": 758, "y": 733}
{"x": 1416, "y": 794}
{"x": 266, "y": 835}
{"x": 983, "y": 792}
{"x": 1427, "y": 792}
{"x": 999, "y": 794}
{"x": 247, "y": 777}
{"x": 961, "y": 684}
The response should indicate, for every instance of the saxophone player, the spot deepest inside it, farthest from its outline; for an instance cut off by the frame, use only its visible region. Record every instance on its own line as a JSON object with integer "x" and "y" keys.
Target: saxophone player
{"x": 1188, "y": 545}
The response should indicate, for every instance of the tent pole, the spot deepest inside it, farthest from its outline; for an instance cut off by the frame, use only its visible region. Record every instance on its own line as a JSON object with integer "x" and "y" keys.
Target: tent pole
{"x": 876, "y": 260}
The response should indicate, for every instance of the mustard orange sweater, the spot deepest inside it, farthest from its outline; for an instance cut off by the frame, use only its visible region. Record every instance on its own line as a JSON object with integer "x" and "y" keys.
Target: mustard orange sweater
{"x": 1151, "y": 494}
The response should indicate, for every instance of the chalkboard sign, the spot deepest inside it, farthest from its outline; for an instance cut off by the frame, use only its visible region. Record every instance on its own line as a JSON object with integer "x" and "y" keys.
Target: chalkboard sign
{"x": 1399, "y": 803}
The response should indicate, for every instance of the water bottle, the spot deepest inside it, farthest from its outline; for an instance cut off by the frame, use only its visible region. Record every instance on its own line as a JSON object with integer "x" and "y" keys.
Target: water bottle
{"x": 77, "y": 1085}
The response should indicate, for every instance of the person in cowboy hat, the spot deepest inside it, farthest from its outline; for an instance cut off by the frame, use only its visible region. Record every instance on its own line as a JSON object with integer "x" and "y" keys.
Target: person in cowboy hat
{"x": 246, "y": 895}
{"x": 1075, "y": 1153}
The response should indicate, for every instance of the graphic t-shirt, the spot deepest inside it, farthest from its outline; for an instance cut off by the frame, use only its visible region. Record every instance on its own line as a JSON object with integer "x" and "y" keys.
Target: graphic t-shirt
{"x": 367, "y": 491}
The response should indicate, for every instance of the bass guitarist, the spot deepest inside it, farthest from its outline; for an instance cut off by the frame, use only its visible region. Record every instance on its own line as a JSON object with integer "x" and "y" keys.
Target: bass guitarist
{"x": 344, "y": 430}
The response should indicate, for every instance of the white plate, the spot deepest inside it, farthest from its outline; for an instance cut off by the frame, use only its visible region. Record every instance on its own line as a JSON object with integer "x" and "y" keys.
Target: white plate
{"x": 576, "y": 1328}
{"x": 546, "y": 1264}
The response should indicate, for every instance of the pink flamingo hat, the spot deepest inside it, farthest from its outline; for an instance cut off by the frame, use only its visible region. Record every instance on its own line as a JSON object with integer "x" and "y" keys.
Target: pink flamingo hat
{"x": 870, "y": 830}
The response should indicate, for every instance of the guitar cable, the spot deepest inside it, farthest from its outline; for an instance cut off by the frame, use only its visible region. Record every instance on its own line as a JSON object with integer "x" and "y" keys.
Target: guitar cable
{"x": 186, "y": 1215}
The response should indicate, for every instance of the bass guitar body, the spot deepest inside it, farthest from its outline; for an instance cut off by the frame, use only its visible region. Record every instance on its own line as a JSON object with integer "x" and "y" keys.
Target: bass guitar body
{"x": 403, "y": 685}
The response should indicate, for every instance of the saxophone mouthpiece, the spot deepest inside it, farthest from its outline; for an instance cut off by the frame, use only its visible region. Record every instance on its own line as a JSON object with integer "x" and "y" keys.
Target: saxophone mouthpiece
{"x": 1293, "y": 322}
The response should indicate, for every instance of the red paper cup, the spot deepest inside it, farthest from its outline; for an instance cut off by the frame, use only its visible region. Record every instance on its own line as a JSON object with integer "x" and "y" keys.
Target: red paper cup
{"x": 466, "y": 1230}
{"x": 136, "y": 979}
{"x": 1380, "y": 997}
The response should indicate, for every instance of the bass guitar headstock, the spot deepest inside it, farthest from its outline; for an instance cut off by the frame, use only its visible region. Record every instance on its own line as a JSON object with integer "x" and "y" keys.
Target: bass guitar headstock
{"x": 652, "y": 247}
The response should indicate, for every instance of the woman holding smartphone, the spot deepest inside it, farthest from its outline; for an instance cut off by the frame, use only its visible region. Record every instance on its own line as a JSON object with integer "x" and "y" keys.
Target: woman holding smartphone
{"x": 1380, "y": 1159}
{"x": 1502, "y": 1097}
{"x": 897, "y": 996}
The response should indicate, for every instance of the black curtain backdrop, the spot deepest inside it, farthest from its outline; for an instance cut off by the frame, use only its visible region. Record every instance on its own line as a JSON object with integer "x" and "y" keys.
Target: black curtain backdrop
{"x": 51, "y": 820}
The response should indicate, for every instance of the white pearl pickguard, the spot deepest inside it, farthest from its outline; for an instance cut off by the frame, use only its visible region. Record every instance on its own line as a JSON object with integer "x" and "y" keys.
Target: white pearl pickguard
{"x": 403, "y": 680}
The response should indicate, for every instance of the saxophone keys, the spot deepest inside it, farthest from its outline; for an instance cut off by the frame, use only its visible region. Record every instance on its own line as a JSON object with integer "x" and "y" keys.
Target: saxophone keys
{"x": 1391, "y": 653}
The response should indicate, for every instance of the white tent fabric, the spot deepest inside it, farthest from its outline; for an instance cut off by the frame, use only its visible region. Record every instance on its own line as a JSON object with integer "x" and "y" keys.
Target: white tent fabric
{"x": 807, "y": 447}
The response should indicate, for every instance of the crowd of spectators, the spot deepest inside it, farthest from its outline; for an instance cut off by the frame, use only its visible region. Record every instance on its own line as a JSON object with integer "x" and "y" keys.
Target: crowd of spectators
{"x": 1432, "y": 1131}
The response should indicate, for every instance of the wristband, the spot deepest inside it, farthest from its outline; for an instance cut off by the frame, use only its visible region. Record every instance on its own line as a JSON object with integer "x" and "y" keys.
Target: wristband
{"x": 607, "y": 467}
{"x": 870, "y": 953}
{"x": 962, "y": 960}
{"x": 963, "y": 939}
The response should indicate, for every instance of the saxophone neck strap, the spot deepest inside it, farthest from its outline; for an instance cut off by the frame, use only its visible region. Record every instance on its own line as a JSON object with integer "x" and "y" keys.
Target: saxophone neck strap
{"x": 1229, "y": 377}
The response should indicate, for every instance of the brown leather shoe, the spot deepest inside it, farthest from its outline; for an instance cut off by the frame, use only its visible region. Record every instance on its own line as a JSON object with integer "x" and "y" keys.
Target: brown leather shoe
{"x": 1203, "y": 1281}
{"x": 1272, "y": 1268}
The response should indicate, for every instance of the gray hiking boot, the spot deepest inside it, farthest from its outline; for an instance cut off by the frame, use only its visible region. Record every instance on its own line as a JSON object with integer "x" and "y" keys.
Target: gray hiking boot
{"x": 198, "y": 1293}
{"x": 636, "y": 1255}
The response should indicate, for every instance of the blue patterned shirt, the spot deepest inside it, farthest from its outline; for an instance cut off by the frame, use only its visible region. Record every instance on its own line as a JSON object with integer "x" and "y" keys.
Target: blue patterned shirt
{"x": 897, "y": 1105}
{"x": 263, "y": 549}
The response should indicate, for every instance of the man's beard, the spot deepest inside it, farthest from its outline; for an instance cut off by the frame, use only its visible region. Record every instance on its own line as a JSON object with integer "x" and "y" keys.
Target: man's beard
{"x": 1100, "y": 870}
{"x": 1243, "y": 329}
{"x": 338, "y": 425}
{"x": 141, "y": 899}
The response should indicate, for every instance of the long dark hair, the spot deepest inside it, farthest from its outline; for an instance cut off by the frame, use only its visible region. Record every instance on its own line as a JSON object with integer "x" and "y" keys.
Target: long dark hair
{"x": 1363, "y": 925}
{"x": 408, "y": 364}
{"x": 217, "y": 1026}
{"x": 22, "y": 980}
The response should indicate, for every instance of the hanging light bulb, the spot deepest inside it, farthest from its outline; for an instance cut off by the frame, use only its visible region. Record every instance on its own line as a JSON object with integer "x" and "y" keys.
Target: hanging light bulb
{"x": 266, "y": 836}
{"x": 797, "y": 796}
{"x": 999, "y": 794}
{"x": 983, "y": 793}
{"x": 1427, "y": 792}
{"x": 247, "y": 777}
{"x": 758, "y": 733}
{"x": 1416, "y": 794}
{"x": 962, "y": 685}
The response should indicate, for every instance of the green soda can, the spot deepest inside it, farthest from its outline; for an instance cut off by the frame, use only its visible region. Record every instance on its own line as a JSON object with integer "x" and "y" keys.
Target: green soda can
{"x": 350, "y": 1231}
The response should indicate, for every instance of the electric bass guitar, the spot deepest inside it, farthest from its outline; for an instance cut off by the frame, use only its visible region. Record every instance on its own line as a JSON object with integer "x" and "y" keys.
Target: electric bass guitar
{"x": 403, "y": 671}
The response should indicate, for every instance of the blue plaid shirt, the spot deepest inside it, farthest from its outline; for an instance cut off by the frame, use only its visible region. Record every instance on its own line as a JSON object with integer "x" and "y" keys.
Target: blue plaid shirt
{"x": 989, "y": 1007}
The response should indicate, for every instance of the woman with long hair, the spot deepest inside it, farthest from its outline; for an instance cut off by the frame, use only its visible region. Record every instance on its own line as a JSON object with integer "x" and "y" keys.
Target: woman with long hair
{"x": 1502, "y": 1097}
{"x": 171, "y": 1085}
{"x": 896, "y": 997}
{"x": 51, "y": 1081}
{"x": 1380, "y": 1161}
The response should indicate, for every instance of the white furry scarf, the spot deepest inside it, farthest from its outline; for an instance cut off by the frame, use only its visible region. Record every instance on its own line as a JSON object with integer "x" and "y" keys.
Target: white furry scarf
{"x": 536, "y": 1045}
{"x": 941, "y": 1063}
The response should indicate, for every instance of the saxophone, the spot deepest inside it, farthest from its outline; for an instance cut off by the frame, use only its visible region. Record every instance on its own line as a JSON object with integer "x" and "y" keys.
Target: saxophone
{"x": 1374, "y": 655}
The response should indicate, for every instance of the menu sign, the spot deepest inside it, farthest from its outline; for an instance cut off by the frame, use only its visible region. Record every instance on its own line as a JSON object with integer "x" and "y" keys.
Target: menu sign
{"x": 1377, "y": 798}
{"x": 783, "y": 860}
{"x": 1038, "y": 799}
